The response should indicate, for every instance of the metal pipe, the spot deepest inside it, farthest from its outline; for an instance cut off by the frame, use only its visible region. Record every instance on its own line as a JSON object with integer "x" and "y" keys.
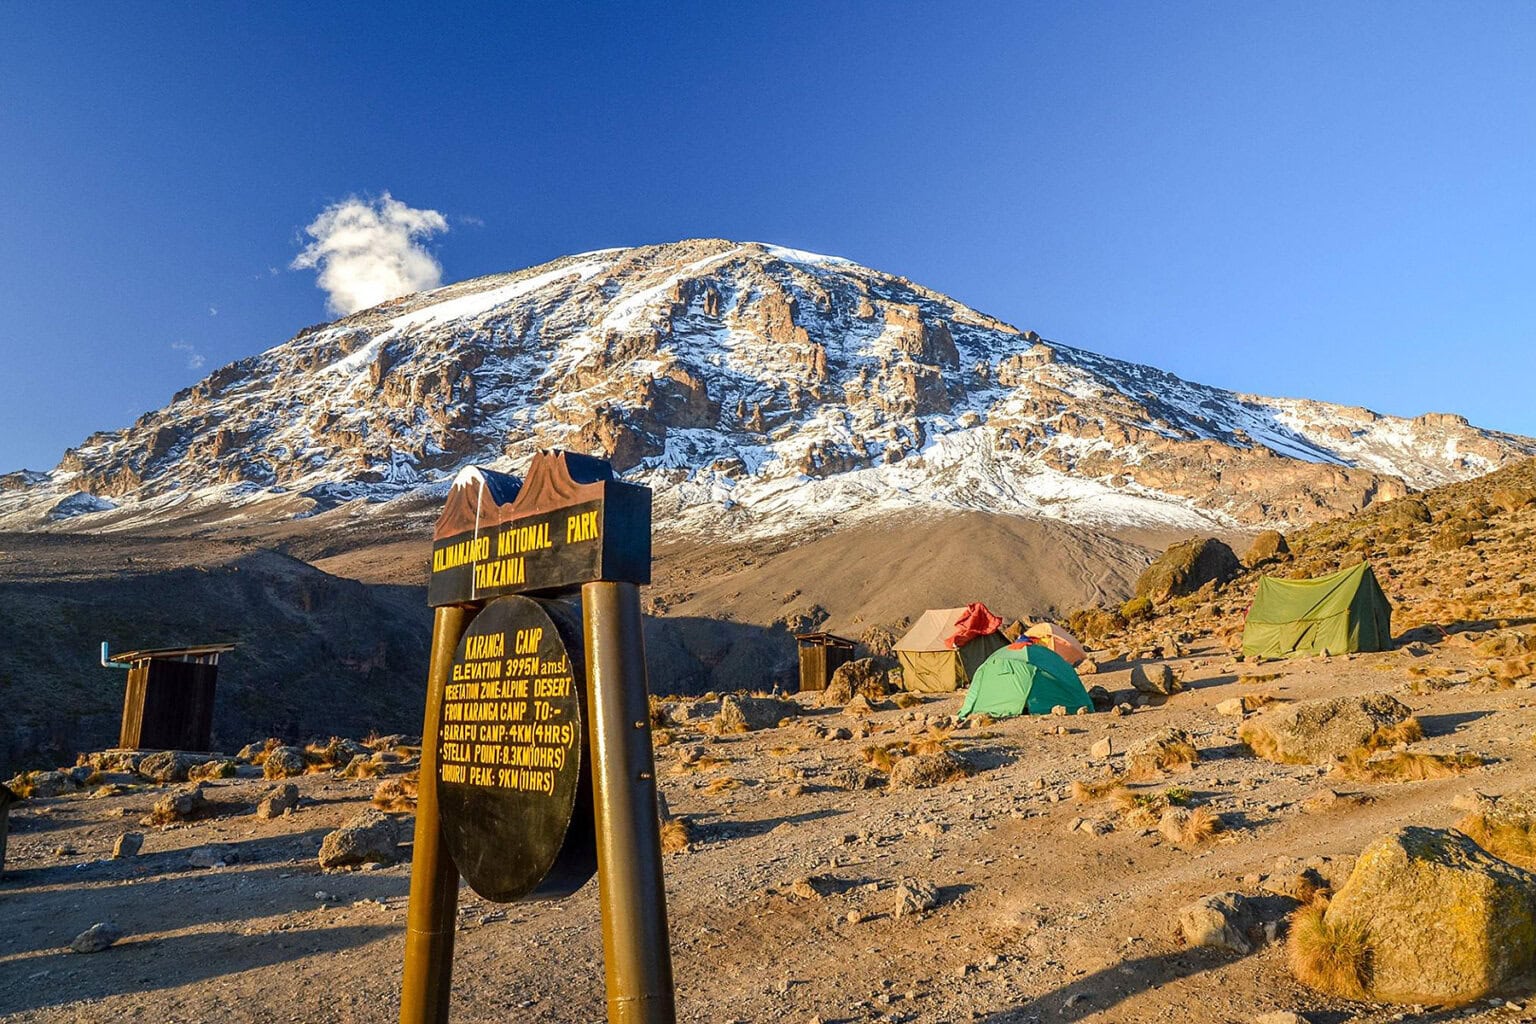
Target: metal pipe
{"x": 637, "y": 956}
{"x": 107, "y": 662}
{"x": 431, "y": 916}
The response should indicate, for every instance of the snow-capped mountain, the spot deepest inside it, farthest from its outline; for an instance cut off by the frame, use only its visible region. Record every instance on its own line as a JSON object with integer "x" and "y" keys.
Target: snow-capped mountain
{"x": 757, "y": 389}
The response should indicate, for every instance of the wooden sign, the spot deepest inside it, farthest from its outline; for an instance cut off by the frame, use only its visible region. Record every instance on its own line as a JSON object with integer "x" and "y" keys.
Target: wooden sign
{"x": 514, "y": 788}
{"x": 568, "y": 523}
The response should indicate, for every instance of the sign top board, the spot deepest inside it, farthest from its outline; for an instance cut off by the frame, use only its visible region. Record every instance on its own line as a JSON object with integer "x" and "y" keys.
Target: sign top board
{"x": 568, "y": 522}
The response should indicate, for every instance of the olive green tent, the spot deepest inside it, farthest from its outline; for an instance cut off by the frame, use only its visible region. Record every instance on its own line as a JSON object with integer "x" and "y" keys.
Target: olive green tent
{"x": 1335, "y": 614}
{"x": 929, "y": 664}
{"x": 1022, "y": 679}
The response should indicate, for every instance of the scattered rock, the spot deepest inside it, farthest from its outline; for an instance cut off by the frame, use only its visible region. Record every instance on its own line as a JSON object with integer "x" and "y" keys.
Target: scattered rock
{"x": 278, "y": 799}
{"x": 212, "y": 857}
{"x": 805, "y": 889}
{"x": 170, "y": 765}
{"x": 914, "y": 896}
{"x": 284, "y": 763}
{"x": 1330, "y": 799}
{"x": 1101, "y": 698}
{"x": 749, "y": 714}
{"x": 366, "y": 837}
{"x": 1318, "y": 731}
{"x": 923, "y": 771}
{"x": 1233, "y": 706}
{"x": 42, "y": 784}
{"x": 1101, "y": 749}
{"x": 185, "y": 804}
{"x": 1059, "y": 710}
{"x": 862, "y": 675}
{"x": 96, "y": 938}
{"x": 1224, "y": 920}
{"x": 1279, "y": 1017}
{"x": 1430, "y": 917}
{"x": 128, "y": 845}
{"x": 1156, "y": 679}
{"x": 214, "y": 769}
{"x": 858, "y": 705}
{"x": 1266, "y": 547}
{"x": 1087, "y": 667}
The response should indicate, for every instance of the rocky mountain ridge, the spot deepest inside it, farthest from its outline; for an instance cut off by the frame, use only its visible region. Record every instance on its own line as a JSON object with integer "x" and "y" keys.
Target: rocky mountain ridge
{"x": 757, "y": 389}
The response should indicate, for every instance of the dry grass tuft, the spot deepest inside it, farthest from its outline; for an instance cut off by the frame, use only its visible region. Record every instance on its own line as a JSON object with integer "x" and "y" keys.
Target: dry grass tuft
{"x": 396, "y": 795}
{"x": 784, "y": 751}
{"x": 676, "y": 835}
{"x": 904, "y": 700}
{"x": 1331, "y": 958}
{"x": 1109, "y": 786}
{"x": 1164, "y": 755}
{"x": 1404, "y": 766}
{"x": 270, "y": 745}
{"x": 1510, "y": 841}
{"x": 662, "y": 737}
{"x": 1201, "y": 826}
{"x": 883, "y": 755}
{"x": 358, "y": 768}
{"x": 724, "y": 784}
{"x": 1407, "y": 731}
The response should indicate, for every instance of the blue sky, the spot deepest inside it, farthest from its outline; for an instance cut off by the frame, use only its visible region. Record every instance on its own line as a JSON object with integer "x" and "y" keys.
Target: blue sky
{"x": 1326, "y": 200}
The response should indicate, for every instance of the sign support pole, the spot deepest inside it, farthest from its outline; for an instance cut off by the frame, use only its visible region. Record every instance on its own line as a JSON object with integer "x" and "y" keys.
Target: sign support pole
{"x": 637, "y": 955}
{"x": 433, "y": 909}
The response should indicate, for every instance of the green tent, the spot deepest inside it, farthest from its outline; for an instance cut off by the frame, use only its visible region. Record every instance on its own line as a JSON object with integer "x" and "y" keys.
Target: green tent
{"x": 1024, "y": 679}
{"x": 1335, "y": 614}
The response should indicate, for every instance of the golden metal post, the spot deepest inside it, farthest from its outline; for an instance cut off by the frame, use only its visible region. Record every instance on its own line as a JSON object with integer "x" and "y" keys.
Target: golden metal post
{"x": 430, "y": 919}
{"x": 637, "y": 955}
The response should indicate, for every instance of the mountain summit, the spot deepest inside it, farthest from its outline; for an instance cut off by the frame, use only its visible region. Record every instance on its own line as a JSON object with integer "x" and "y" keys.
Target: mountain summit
{"x": 757, "y": 389}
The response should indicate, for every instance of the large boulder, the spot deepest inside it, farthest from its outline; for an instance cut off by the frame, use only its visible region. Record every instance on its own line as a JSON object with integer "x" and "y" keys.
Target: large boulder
{"x": 170, "y": 765}
{"x": 367, "y": 837}
{"x": 184, "y": 804}
{"x": 284, "y": 763}
{"x": 1427, "y": 916}
{"x": 278, "y": 800}
{"x": 748, "y": 714}
{"x": 924, "y": 771}
{"x": 862, "y": 675}
{"x": 1156, "y": 678}
{"x": 1185, "y": 568}
{"x": 42, "y": 784}
{"x": 1318, "y": 731}
{"x": 1226, "y": 921}
{"x": 1267, "y": 547}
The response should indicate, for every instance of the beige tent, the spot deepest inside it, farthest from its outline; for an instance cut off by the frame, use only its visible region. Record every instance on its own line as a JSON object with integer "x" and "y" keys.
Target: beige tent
{"x": 1059, "y": 640}
{"x": 929, "y": 664}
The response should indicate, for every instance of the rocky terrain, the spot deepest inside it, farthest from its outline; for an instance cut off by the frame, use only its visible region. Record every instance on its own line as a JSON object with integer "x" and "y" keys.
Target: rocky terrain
{"x": 757, "y": 389}
{"x": 865, "y": 857}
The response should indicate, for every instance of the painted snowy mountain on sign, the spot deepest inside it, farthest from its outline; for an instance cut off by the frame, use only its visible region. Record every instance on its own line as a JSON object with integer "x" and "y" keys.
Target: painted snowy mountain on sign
{"x": 758, "y": 390}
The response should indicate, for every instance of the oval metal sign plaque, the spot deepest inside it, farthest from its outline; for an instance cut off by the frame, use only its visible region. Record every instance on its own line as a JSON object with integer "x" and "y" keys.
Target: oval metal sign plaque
{"x": 513, "y": 784}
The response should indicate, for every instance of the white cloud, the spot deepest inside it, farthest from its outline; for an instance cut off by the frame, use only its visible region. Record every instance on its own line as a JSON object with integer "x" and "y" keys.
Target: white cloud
{"x": 195, "y": 358}
{"x": 213, "y": 310}
{"x": 368, "y": 251}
